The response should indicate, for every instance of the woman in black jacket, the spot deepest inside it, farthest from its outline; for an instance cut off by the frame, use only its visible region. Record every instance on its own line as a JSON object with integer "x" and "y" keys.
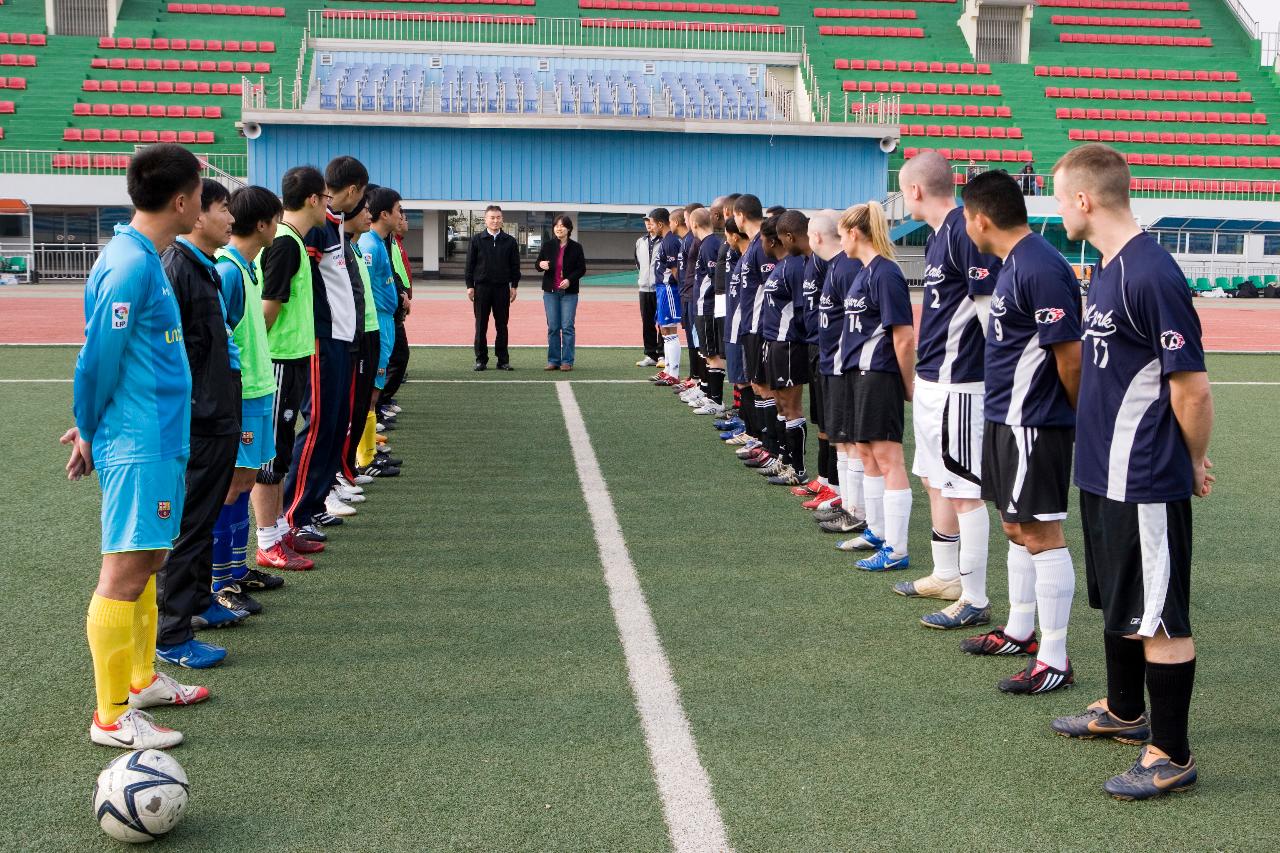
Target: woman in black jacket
{"x": 563, "y": 265}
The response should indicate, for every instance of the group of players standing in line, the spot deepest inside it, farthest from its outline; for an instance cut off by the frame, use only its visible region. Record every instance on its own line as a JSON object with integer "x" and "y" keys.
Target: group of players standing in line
{"x": 239, "y": 346}
{"x": 1008, "y": 375}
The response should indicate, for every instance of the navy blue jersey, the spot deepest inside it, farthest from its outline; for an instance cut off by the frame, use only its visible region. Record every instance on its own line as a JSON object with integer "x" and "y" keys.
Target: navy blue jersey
{"x": 877, "y": 301}
{"x": 833, "y": 356}
{"x": 1139, "y": 327}
{"x": 754, "y": 268}
{"x": 689, "y": 245}
{"x": 1036, "y": 305}
{"x": 950, "y": 346}
{"x": 666, "y": 256}
{"x": 815, "y": 270}
{"x": 733, "y": 278}
{"x": 782, "y": 318}
{"x": 704, "y": 273}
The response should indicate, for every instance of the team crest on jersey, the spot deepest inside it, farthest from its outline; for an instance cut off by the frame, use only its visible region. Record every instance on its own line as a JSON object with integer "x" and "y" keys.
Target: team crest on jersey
{"x": 1172, "y": 340}
{"x": 246, "y": 438}
{"x": 765, "y": 269}
{"x": 163, "y": 509}
{"x": 119, "y": 315}
{"x": 1048, "y": 316}
{"x": 368, "y": 259}
{"x": 978, "y": 273}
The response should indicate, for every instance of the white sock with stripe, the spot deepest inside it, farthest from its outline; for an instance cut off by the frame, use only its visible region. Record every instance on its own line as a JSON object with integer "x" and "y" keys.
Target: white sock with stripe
{"x": 873, "y": 493}
{"x": 1022, "y": 594}
{"x": 897, "y": 518}
{"x": 946, "y": 556}
{"x": 975, "y": 531}
{"x": 671, "y": 346}
{"x": 1055, "y": 587}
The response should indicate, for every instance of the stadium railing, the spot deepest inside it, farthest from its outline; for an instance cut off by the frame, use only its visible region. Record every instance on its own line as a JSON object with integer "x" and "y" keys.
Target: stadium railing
{"x": 230, "y": 168}
{"x": 1143, "y": 186}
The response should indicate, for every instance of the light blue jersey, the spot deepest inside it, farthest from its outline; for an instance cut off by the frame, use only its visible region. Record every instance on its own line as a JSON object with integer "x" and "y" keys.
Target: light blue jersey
{"x": 132, "y": 381}
{"x": 381, "y": 275}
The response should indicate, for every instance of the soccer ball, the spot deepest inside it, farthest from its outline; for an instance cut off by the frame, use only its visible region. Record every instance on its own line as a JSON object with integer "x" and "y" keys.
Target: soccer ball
{"x": 140, "y": 796}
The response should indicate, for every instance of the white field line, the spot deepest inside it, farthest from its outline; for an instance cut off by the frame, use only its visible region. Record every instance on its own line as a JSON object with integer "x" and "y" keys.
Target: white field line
{"x": 692, "y": 817}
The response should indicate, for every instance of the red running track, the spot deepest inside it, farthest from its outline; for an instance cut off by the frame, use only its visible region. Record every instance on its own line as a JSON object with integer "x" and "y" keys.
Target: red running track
{"x": 604, "y": 319}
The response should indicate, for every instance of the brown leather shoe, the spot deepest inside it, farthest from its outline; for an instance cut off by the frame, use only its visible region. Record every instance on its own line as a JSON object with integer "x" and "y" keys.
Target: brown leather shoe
{"x": 551, "y": 367}
{"x": 566, "y": 367}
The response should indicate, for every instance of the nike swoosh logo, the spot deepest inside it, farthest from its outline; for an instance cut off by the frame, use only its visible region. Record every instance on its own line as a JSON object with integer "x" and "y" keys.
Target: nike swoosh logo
{"x": 129, "y": 742}
{"x": 1166, "y": 782}
{"x": 1097, "y": 728}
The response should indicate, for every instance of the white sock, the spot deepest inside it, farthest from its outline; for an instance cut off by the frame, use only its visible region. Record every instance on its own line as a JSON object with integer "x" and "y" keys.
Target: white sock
{"x": 873, "y": 495}
{"x": 824, "y": 482}
{"x": 282, "y": 528}
{"x": 975, "y": 532}
{"x": 846, "y": 479}
{"x": 1022, "y": 594}
{"x": 1055, "y": 587}
{"x": 267, "y": 537}
{"x": 897, "y": 519}
{"x": 857, "y": 497}
{"x": 946, "y": 557}
{"x": 671, "y": 346}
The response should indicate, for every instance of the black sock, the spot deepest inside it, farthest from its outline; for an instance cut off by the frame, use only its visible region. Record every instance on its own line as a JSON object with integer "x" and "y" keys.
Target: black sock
{"x": 796, "y": 437}
{"x": 824, "y": 472}
{"x": 747, "y": 410}
{"x": 833, "y": 469}
{"x": 1170, "y": 687}
{"x": 769, "y": 424}
{"x": 1126, "y": 669}
{"x": 715, "y": 384}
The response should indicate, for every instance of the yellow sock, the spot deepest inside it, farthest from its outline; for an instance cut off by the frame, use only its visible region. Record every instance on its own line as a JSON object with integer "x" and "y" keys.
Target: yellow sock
{"x": 364, "y": 450}
{"x": 110, "y": 629}
{"x": 145, "y": 616}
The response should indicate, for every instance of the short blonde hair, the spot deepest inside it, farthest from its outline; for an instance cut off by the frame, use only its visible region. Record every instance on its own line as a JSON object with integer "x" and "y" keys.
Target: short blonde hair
{"x": 1100, "y": 171}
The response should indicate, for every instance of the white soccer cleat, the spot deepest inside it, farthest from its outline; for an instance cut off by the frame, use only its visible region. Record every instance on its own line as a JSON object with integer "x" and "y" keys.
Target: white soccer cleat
{"x": 349, "y": 495}
{"x": 164, "y": 690}
{"x": 394, "y": 409}
{"x": 709, "y": 408}
{"x": 349, "y": 486}
{"x": 646, "y": 362}
{"x": 134, "y": 730}
{"x": 335, "y": 506}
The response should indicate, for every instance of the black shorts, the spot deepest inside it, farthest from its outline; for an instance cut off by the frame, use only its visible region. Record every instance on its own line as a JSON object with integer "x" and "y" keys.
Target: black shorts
{"x": 1137, "y": 562}
{"x": 753, "y": 358}
{"x": 817, "y": 416}
{"x": 878, "y": 403}
{"x": 711, "y": 335}
{"x": 786, "y": 364}
{"x": 1026, "y": 471}
{"x": 838, "y": 398}
{"x": 292, "y": 378}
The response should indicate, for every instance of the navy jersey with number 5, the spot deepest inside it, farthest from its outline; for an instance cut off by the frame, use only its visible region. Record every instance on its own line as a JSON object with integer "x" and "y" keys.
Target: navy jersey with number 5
{"x": 833, "y": 355}
{"x": 1139, "y": 327}
{"x": 755, "y": 267}
{"x": 950, "y": 347}
{"x": 1036, "y": 305}
{"x": 783, "y": 316}
{"x": 815, "y": 271}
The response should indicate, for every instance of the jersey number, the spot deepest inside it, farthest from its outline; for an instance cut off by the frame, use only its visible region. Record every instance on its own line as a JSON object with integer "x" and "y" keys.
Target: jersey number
{"x": 1101, "y": 353}
{"x": 823, "y": 321}
{"x": 999, "y": 329}
{"x": 855, "y": 323}
{"x": 937, "y": 300}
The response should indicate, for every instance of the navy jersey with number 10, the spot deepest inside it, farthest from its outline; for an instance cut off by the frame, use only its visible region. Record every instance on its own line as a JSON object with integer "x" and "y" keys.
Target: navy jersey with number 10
{"x": 815, "y": 270}
{"x": 1139, "y": 327}
{"x": 1036, "y": 305}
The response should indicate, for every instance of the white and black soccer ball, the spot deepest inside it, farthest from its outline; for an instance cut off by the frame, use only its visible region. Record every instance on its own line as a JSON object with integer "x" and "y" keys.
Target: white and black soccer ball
{"x": 140, "y": 796}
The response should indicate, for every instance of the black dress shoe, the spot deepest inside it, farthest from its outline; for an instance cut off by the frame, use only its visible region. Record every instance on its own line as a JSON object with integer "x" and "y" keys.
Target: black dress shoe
{"x": 480, "y": 365}
{"x": 505, "y": 367}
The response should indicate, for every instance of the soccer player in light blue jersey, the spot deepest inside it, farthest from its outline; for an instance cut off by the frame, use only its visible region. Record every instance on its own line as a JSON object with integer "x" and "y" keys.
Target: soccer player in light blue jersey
{"x": 132, "y": 405}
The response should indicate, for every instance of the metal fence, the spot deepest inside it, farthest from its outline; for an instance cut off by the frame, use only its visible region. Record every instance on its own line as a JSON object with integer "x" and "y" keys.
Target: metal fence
{"x": 62, "y": 261}
{"x": 1142, "y": 186}
{"x": 21, "y": 161}
{"x": 543, "y": 32}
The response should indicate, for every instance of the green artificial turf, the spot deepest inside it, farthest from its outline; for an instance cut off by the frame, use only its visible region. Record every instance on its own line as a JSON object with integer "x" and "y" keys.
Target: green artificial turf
{"x": 451, "y": 677}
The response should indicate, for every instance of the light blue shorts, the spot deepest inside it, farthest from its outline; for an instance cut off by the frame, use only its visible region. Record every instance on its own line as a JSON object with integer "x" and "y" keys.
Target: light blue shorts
{"x": 257, "y": 432}
{"x": 142, "y": 505}
{"x": 386, "y": 343}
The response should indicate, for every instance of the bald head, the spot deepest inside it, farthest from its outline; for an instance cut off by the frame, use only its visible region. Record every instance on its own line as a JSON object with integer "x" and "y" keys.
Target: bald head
{"x": 929, "y": 171}
{"x": 824, "y": 238}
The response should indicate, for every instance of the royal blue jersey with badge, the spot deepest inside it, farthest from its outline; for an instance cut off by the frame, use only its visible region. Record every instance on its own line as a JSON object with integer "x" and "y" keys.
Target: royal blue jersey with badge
{"x": 132, "y": 391}
{"x": 833, "y": 357}
{"x": 756, "y": 266}
{"x": 783, "y": 315}
{"x": 1139, "y": 327}
{"x": 382, "y": 277}
{"x": 950, "y": 347}
{"x": 815, "y": 270}
{"x": 704, "y": 273}
{"x": 877, "y": 301}
{"x": 666, "y": 257}
{"x": 1036, "y": 305}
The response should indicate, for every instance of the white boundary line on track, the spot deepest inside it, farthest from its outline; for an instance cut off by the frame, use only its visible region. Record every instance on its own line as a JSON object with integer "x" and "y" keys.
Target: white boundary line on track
{"x": 693, "y": 819}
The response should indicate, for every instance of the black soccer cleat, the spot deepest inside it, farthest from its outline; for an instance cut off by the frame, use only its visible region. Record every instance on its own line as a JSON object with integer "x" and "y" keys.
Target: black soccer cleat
{"x": 259, "y": 580}
{"x": 1153, "y": 775}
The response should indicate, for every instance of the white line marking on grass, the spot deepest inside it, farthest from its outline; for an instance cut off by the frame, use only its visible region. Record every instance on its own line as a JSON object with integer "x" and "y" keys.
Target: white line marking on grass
{"x": 693, "y": 819}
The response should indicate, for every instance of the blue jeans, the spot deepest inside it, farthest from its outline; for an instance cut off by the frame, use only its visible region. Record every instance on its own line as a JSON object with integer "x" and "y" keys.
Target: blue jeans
{"x": 561, "y": 308}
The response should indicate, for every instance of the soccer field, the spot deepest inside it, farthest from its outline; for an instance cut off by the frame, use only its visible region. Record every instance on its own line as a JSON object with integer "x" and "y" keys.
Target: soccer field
{"x": 451, "y": 676}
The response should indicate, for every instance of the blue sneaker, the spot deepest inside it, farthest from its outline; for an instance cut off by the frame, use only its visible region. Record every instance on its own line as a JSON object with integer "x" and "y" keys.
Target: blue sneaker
{"x": 962, "y": 614}
{"x": 192, "y": 654}
{"x": 217, "y": 616}
{"x": 732, "y": 432}
{"x": 866, "y": 541}
{"x": 728, "y": 423}
{"x": 884, "y": 561}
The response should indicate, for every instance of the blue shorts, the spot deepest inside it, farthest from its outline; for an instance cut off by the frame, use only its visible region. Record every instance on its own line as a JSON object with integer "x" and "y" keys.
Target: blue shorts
{"x": 668, "y": 305}
{"x": 142, "y": 505}
{"x": 386, "y": 343}
{"x": 257, "y": 432}
{"x": 734, "y": 363}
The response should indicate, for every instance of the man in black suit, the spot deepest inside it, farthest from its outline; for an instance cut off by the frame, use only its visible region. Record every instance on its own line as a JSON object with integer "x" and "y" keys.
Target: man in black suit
{"x": 492, "y": 275}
